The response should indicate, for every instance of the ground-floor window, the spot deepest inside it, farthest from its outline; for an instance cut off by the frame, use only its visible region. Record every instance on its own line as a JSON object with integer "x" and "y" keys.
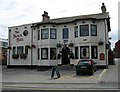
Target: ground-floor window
{"x": 76, "y": 53}
{"x": 94, "y": 53}
{"x": 84, "y": 52}
{"x": 38, "y": 54}
{"x": 44, "y": 53}
{"x": 14, "y": 50}
{"x": 20, "y": 49}
{"x": 52, "y": 53}
{"x": 26, "y": 50}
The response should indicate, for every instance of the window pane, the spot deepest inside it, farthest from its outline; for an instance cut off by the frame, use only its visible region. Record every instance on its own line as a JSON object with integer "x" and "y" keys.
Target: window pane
{"x": 84, "y": 52}
{"x": 44, "y": 33}
{"x": 84, "y": 30}
{"x": 52, "y": 53}
{"x": 76, "y": 52}
{"x": 14, "y": 50}
{"x": 44, "y": 53}
{"x": 26, "y": 50}
{"x": 20, "y": 50}
{"x": 38, "y": 54}
{"x": 53, "y": 33}
{"x": 94, "y": 52}
{"x": 65, "y": 33}
{"x": 93, "y": 30}
{"x": 76, "y": 31}
{"x": 38, "y": 34}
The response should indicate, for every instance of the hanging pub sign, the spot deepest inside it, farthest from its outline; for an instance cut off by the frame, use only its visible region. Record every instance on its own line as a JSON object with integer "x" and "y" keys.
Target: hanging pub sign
{"x": 17, "y": 36}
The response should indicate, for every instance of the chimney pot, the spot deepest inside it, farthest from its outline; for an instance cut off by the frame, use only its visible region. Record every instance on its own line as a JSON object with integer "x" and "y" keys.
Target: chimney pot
{"x": 45, "y": 16}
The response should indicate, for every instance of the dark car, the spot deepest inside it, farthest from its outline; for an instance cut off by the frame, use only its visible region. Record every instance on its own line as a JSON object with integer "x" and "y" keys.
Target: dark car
{"x": 86, "y": 66}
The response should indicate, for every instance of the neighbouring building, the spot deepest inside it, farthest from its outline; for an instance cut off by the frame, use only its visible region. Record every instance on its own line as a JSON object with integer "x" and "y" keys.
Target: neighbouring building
{"x": 3, "y": 51}
{"x": 60, "y": 41}
{"x": 117, "y": 49}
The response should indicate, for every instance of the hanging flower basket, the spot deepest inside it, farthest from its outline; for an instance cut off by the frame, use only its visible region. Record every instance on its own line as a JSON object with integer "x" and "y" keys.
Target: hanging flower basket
{"x": 15, "y": 56}
{"x": 28, "y": 46}
{"x": 33, "y": 46}
{"x": 23, "y": 56}
{"x": 9, "y": 47}
{"x": 100, "y": 43}
{"x": 71, "y": 44}
{"x": 59, "y": 45}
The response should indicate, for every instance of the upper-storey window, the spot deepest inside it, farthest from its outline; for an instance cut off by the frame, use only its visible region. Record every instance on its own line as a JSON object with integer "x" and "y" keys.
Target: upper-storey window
{"x": 38, "y": 34}
{"x": 65, "y": 33}
{"x": 93, "y": 30}
{"x": 53, "y": 33}
{"x": 76, "y": 31}
{"x": 45, "y": 33}
{"x": 84, "y": 30}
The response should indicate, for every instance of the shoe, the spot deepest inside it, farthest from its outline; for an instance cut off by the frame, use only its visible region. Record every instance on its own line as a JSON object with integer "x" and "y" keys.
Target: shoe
{"x": 58, "y": 76}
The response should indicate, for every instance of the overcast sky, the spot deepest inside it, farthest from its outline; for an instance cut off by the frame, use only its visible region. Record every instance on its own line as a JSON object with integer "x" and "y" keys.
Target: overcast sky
{"x": 18, "y": 12}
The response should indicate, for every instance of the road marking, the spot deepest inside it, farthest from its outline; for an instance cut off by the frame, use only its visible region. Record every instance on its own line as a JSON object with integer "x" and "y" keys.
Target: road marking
{"x": 102, "y": 74}
{"x": 75, "y": 77}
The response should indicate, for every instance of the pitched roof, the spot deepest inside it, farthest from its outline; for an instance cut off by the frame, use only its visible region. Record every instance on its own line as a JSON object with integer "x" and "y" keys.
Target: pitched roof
{"x": 75, "y": 18}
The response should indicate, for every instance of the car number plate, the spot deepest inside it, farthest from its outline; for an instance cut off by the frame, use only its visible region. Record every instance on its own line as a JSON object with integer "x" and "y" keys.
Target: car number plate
{"x": 83, "y": 66}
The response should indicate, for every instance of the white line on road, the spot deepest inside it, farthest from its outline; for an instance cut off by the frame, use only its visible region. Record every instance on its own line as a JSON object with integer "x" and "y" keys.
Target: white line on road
{"x": 102, "y": 74}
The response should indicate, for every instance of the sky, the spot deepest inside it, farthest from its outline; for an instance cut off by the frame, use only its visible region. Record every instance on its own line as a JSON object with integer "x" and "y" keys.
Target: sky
{"x": 18, "y": 12}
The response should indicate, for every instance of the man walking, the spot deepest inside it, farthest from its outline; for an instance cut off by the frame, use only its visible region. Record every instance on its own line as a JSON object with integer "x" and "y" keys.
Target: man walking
{"x": 55, "y": 69}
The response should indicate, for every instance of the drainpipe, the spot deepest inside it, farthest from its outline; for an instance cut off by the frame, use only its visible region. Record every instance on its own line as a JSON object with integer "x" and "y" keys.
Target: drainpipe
{"x": 31, "y": 45}
{"x": 105, "y": 44}
{"x": 9, "y": 46}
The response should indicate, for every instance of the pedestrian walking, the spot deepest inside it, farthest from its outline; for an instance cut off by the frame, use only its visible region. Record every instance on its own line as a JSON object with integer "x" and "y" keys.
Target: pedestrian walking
{"x": 55, "y": 69}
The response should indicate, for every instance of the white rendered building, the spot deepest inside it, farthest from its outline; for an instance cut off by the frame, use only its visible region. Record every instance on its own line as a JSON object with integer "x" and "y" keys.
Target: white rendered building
{"x": 60, "y": 41}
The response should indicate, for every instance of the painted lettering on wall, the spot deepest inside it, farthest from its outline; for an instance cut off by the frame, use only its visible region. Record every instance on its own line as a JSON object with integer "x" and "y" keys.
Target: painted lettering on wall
{"x": 17, "y": 36}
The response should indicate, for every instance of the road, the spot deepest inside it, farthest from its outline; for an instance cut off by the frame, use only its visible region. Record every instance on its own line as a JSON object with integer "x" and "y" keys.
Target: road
{"x": 31, "y": 79}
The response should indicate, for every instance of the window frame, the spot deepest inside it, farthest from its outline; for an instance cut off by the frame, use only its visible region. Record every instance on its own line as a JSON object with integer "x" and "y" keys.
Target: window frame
{"x": 26, "y": 50}
{"x": 65, "y": 34}
{"x": 38, "y": 53}
{"x": 86, "y": 52}
{"x": 93, "y": 30}
{"x": 14, "y": 50}
{"x": 38, "y": 34}
{"x": 77, "y": 52}
{"x": 52, "y": 54}
{"x": 84, "y": 30}
{"x": 42, "y": 53}
{"x": 18, "y": 49}
{"x": 94, "y": 52}
{"x": 42, "y": 36}
{"x": 55, "y": 34}
{"x": 76, "y": 31}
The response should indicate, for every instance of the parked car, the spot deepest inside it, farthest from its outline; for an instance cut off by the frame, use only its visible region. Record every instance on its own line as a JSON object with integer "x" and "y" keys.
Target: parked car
{"x": 86, "y": 66}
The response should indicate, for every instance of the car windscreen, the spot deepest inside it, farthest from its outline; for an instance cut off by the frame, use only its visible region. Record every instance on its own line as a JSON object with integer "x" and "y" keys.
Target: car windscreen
{"x": 83, "y": 62}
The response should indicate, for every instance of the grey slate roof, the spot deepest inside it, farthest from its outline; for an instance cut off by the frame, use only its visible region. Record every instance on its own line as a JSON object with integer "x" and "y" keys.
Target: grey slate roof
{"x": 75, "y": 18}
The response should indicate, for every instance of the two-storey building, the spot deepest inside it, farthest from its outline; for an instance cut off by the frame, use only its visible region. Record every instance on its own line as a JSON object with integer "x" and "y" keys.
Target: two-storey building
{"x": 60, "y": 41}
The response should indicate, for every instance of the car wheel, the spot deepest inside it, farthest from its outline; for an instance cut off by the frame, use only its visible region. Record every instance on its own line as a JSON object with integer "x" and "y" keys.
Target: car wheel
{"x": 91, "y": 73}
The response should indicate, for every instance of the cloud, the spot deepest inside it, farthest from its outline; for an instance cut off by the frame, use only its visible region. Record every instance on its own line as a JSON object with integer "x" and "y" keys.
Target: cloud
{"x": 17, "y": 12}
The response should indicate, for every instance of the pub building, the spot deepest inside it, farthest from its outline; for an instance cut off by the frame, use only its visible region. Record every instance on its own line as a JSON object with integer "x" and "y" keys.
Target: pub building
{"x": 60, "y": 41}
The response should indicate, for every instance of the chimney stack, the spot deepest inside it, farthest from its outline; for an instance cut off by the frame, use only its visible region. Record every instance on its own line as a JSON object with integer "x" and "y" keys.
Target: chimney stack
{"x": 103, "y": 8}
{"x": 45, "y": 16}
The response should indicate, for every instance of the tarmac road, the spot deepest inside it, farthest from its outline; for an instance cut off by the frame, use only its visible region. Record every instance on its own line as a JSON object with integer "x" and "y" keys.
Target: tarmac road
{"x": 27, "y": 79}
